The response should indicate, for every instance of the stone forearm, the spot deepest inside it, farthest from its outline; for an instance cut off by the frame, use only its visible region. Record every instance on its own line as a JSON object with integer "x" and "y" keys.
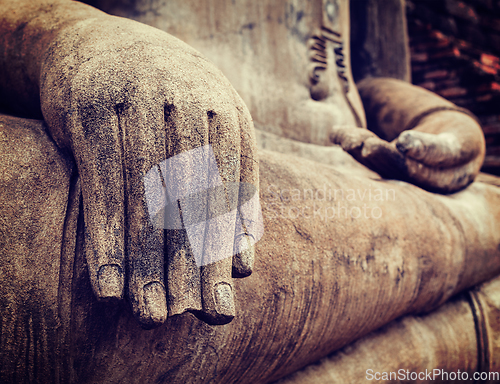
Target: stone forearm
{"x": 27, "y": 28}
{"x": 393, "y": 106}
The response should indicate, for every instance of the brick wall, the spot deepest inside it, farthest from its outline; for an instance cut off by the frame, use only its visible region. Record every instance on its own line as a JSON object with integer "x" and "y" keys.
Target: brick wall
{"x": 455, "y": 52}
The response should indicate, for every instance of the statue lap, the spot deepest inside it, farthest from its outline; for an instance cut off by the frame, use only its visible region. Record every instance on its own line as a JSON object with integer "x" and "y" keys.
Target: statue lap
{"x": 319, "y": 282}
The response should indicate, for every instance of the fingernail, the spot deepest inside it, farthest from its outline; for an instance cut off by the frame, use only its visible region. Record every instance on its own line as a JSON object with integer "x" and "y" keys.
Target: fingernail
{"x": 243, "y": 258}
{"x": 155, "y": 303}
{"x": 218, "y": 305}
{"x": 224, "y": 302}
{"x": 110, "y": 282}
{"x": 407, "y": 142}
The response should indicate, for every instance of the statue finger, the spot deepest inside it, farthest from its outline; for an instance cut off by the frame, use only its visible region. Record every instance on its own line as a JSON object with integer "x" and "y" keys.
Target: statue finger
{"x": 217, "y": 292}
{"x": 143, "y": 138}
{"x": 350, "y": 138}
{"x": 199, "y": 176}
{"x": 215, "y": 241}
{"x": 200, "y": 255}
{"x": 184, "y": 180}
{"x": 103, "y": 199}
{"x": 384, "y": 158}
{"x": 249, "y": 226}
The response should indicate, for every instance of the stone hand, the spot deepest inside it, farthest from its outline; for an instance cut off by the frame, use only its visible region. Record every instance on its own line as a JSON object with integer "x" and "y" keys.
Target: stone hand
{"x": 445, "y": 159}
{"x": 442, "y": 162}
{"x": 370, "y": 150}
{"x": 122, "y": 98}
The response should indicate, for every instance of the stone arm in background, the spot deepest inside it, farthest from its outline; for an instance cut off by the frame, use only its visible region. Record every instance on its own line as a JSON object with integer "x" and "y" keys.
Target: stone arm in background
{"x": 415, "y": 136}
{"x": 118, "y": 98}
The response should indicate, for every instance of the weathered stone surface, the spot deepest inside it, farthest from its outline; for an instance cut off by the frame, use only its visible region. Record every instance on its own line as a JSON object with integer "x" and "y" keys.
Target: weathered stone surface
{"x": 319, "y": 283}
{"x": 118, "y": 124}
{"x": 458, "y": 341}
{"x": 344, "y": 252}
{"x": 406, "y": 350}
{"x": 267, "y": 51}
{"x": 306, "y": 33}
{"x": 433, "y": 143}
{"x": 37, "y": 247}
